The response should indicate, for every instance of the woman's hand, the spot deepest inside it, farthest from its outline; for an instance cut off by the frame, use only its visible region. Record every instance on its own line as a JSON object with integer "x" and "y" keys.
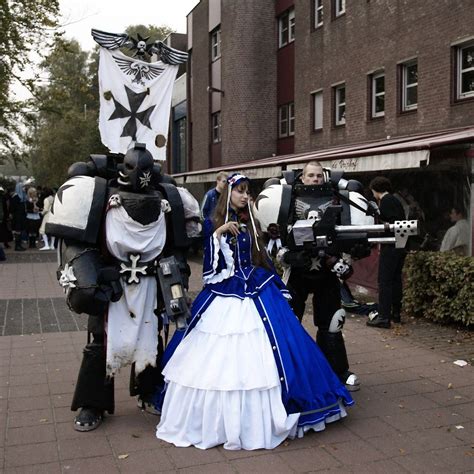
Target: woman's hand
{"x": 231, "y": 227}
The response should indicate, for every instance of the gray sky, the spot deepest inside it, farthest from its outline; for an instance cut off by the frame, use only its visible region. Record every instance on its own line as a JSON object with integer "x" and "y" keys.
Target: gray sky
{"x": 114, "y": 16}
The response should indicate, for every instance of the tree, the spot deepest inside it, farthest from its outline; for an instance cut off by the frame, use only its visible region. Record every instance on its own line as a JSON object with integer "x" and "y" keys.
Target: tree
{"x": 26, "y": 26}
{"x": 66, "y": 129}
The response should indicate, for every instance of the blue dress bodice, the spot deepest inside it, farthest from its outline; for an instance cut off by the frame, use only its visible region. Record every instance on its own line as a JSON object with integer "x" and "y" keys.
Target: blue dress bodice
{"x": 227, "y": 265}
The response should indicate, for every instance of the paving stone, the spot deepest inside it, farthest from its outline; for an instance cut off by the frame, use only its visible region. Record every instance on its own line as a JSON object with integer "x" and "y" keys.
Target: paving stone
{"x": 268, "y": 463}
{"x": 30, "y": 435}
{"x": 369, "y": 427}
{"x": 428, "y": 461}
{"x": 85, "y": 447}
{"x": 133, "y": 440}
{"x": 310, "y": 459}
{"x": 354, "y": 452}
{"x": 28, "y": 391}
{"x": 185, "y": 457}
{"x": 89, "y": 464}
{"x": 30, "y": 454}
{"x": 29, "y": 403}
{"x": 19, "y": 419}
{"x": 47, "y": 468}
{"x": 150, "y": 460}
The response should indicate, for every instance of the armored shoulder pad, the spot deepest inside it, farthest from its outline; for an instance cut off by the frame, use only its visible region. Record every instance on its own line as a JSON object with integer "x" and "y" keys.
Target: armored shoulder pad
{"x": 78, "y": 208}
{"x": 272, "y": 206}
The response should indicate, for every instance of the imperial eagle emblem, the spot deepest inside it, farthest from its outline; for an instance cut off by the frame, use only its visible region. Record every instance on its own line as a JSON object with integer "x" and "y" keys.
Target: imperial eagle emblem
{"x": 138, "y": 69}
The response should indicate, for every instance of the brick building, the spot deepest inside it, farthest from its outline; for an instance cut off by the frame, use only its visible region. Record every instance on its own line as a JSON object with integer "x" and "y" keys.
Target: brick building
{"x": 374, "y": 86}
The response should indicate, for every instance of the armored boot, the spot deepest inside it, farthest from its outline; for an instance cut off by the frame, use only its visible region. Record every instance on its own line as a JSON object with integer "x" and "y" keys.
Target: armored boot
{"x": 94, "y": 393}
{"x": 332, "y": 345}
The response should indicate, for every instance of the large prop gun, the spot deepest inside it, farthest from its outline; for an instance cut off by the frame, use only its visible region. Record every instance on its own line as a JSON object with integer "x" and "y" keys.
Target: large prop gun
{"x": 169, "y": 277}
{"x": 322, "y": 235}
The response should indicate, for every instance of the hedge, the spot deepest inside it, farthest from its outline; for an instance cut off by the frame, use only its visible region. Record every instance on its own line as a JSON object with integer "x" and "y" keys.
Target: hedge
{"x": 439, "y": 286}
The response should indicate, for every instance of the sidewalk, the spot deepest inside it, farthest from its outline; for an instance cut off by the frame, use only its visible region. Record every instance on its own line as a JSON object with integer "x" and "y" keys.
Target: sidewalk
{"x": 414, "y": 412}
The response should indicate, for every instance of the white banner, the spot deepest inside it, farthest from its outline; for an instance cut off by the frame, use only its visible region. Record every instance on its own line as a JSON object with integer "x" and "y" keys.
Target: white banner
{"x": 135, "y": 102}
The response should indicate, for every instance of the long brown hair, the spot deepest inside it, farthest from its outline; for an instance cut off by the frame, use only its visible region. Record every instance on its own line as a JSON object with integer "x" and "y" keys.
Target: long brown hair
{"x": 259, "y": 257}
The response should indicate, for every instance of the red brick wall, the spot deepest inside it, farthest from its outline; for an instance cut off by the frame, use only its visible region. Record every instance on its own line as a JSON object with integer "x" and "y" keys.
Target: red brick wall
{"x": 248, "y": 33}
{"x": 372, "y": 35}
{"x": 199, "y": 81}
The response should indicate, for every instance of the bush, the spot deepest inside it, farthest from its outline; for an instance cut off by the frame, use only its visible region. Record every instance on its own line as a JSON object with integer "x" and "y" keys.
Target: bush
{"x": 440, "y": 287}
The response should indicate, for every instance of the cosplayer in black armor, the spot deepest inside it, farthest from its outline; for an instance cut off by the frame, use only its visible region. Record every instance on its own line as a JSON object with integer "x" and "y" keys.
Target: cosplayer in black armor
{"x": 314, "y": 260}
{"x": 117, "y": 232}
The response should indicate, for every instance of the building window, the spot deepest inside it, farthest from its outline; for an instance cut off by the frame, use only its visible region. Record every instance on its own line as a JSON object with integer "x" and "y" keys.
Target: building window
{"x": 409, "y": 86}
{"x": 318, "y": 13}
{"x": 317, "y": 110}
{"x": 216, "y": 44}
{"x": 340, "y": 104}
{"x": 286, "y": 120}
{"x": 180, "y": 146}
{"x": 378, "y": 95}
{"x": 286, "y": 28}
{"x": 339, "y": 7}
{"x": 465, "y": 71}
{"x": 216, "y": 127}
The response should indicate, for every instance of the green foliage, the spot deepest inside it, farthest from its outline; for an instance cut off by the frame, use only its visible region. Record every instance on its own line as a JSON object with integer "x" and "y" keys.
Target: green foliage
{"x": 154, "y": 32}
{"x": 439, "y": 286}
{"x": 26, "y": 26}
{"x": 66, "y": 130}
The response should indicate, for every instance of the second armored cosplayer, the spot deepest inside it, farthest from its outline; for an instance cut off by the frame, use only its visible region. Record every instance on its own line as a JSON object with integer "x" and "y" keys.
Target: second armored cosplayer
{"x": 324, "y": 222}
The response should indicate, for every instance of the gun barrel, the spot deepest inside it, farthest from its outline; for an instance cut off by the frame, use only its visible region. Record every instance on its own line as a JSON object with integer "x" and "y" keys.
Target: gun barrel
{"x": 381, "y": 240}
{"x": 400, "y": 229}
{"x": 374, "y": 228}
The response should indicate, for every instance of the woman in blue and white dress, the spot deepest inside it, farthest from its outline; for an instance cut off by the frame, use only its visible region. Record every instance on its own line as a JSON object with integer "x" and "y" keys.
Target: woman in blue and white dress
{"x": 246, "y": 374}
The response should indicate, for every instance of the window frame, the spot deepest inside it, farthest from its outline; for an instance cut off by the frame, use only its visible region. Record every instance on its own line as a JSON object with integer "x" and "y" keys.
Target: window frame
{"x": 216, "y": 45}
{"x": 338, "y": 104}
{"x": 286, "y": 116}
{"x": 216, "y": 127}
{"x": 318, "y": 6}
{"x": 339, "y": 8}
{"x": 404, "y": 85}
{"x": 460, "y": 96}
{"x": 374, "y": 94}
{"x": 286, "y": 23}
{"x": 318, "y": 93}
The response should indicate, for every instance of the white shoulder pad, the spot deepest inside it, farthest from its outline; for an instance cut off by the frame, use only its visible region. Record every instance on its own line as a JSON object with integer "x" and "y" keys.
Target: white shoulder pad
{"x": 78, "y": 208}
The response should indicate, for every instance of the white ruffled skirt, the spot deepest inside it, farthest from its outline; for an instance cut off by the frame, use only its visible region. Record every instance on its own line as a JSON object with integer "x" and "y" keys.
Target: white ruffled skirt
{"x": 223, "y": 385}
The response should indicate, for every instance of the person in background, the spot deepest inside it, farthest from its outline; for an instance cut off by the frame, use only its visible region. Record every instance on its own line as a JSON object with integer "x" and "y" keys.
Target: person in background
{"x": 391, "y": 259}
{"x": 5, "y": 234}
{"x": 18, "y": 214}
{"x": 33, "y": 217}
{"x": 457, "y": 236}
{"x": 48, "y": 198}
{"x": 212, "y": 196}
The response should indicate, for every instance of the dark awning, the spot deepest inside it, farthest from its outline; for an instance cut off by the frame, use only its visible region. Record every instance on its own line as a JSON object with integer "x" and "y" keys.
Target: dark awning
{"x": 392, "y": 153}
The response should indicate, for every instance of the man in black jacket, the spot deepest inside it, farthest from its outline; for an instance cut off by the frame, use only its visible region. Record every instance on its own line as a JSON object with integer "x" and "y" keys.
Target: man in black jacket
{"x": 391, "y": 259}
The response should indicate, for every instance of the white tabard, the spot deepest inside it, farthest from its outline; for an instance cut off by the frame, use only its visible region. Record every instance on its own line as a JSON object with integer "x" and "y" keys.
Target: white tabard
{"x": 132, "y": 326}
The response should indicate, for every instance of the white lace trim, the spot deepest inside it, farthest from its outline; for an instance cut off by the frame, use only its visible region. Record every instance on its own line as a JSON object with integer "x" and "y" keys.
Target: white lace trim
{"x": 222, "y": 245}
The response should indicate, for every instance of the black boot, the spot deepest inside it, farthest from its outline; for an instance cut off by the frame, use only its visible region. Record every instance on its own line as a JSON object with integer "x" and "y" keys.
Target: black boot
{"x": 379, "y": 322}
{"x": 396, "y": 310}
{"x": 18, "y": 246}
{"x": 88, "y": 419}
{"x": 32, "y": 241}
